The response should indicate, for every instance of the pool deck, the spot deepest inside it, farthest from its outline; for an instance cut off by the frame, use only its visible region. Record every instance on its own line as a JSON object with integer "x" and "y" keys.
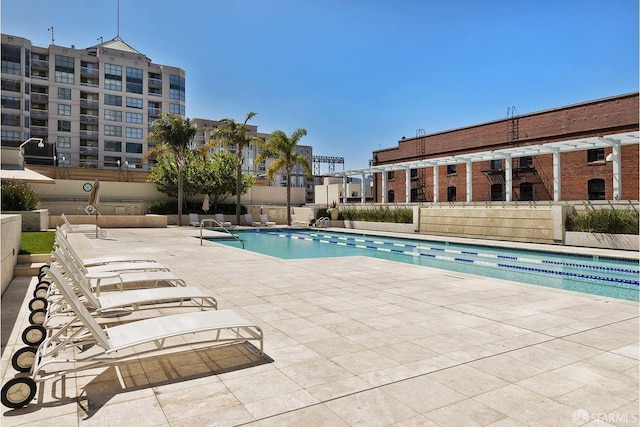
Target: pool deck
{"x": 352, "y": 341}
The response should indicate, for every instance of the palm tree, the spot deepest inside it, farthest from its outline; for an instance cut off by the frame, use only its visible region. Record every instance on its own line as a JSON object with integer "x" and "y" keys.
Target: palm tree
{"x": 235, "y": 133}
{"x": 173, "y": 133}
{"x": 283, "y": 149}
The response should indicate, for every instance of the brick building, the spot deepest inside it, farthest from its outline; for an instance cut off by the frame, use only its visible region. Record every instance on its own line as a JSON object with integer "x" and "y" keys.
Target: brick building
{"x": 514, "y": 158}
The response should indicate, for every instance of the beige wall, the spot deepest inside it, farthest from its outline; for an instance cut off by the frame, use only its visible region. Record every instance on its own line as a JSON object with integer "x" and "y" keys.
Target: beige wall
{"x": 11, "y": 230}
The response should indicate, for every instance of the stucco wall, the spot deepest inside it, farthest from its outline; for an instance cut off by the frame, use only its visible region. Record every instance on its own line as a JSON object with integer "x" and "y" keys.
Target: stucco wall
{"x": 11, "y": 240}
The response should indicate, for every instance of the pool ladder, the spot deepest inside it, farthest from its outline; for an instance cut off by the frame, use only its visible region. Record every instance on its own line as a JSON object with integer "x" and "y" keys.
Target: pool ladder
{"x": 216, "y": 224}
{"x": 322, "y": 222}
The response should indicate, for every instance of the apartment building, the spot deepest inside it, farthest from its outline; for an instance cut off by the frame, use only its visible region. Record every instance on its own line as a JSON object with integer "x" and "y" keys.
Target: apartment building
{"x": 92, "y": 107}
{"x": 250, "y": 154}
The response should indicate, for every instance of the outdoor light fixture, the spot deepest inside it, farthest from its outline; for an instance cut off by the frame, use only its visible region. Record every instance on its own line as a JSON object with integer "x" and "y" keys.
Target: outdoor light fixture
{"x": 611, "y": 157}
{"x": 40, "y": 143}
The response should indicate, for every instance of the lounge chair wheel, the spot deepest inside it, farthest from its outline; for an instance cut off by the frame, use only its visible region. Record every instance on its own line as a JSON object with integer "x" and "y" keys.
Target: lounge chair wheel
{"x": 43, "y": 268}
{"x": 43, "y": 283}
{"x": 33, "y": 335}
{"x": 23, "y": 359}
{"x": 38, "y": 316}
{"x": 17, "y": 392}
{"x": 40, "y": 292}
{"x": 38, "y": 303}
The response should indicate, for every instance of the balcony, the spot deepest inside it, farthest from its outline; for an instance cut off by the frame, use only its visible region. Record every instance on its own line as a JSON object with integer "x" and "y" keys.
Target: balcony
{"x": 90, "y": 103}
{"x": 88, "y": 134}
{"x": 89, "y": 82}
{"x": 155, "y": 82}
{"x": 43, "y": 97}
{"x": 39, "y": 114}
{"x": 87, "y": 149}
{"x": 42, "y": 64}
{"x": 86, "y": 118}
{"x": 39, "y": 130}
{"x": 89, "y": 72}
{"x": 155, "y": 112}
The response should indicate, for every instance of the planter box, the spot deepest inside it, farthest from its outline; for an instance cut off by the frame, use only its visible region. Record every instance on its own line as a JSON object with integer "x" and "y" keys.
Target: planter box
{"x": 379, "y": 226}
{"x": 37, "y": 220}
{"x": 627, "y": 242}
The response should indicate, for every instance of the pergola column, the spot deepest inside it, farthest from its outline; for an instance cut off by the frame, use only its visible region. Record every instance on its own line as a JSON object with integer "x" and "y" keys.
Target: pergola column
{"x": 384, "y": 187}
{"x": 363, "y": 198}
{"x": 407, "y": 186}
{"x": 435, "y": 183}
{"x": 469, "y": 181}
{"x": 557, "y": 175}
{"x": 617, "y": 171}
{"x": 508, "y": 178}
{"x": 344, "y": 189}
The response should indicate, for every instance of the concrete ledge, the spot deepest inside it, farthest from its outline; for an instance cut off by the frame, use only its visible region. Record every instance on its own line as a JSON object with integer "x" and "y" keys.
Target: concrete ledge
{"x": 627, "y": 242}
{"x": 114, "y": 221}
{"x": 36, "y": 220}
{"x": 379, "y": 226}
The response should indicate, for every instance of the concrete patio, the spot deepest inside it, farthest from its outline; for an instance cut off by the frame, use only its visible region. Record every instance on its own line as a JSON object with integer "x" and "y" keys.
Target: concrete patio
{"x": 353, "y": 342}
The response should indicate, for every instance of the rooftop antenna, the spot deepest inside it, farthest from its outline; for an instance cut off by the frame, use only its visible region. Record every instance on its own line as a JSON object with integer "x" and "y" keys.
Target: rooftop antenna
{"x": 53, "y": 41}
{"x": 118, "y": 11}
{"x": 100, "y": 39}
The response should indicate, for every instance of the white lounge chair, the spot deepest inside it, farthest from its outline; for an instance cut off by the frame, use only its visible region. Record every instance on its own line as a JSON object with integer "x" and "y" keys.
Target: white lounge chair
{"x": 264, "y": 220}
{"x": 85, "y": 344}
{"x": 87, "y": 229}
{"x": 249, "y": 221}
{"x": 221, "y": 221}
{"x": 296, "y": 222}
{"x": 193, "y": 220}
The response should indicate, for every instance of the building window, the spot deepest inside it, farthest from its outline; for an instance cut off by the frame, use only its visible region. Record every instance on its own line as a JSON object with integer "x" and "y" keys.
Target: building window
{"x": 391, "y": 196}
{"x": 526, "y": 162}
{"x": 113, "y": 146}
{"x": 65, "y": 69}
{"x": 64, "y": 159}
{"x": 176, "y": 87}
{"x": 391, "y": 175}
{"x": 64, "y": 110}
{"x": 134, "y": 118}
{"x": 10, "y": 136}
{"x": 64, "y": 126}
{"x": 134, "y": 80}
{"x": 452, "y": 195}
{"x": 596, "y": 189}
{"x": 526, "y": 191}
{"x": 113, "y": 100}
{"x": 496, "y": 165}
{"x": 134, "y": 147}
{"x": 63, "y": 142}
{"x": 112, "y": 162}
{"x": 133, "y": 162}
{"x": 414, "y": 195}
{"x": 113, "y": 77}
{"x": 110, "y": 130}
{"x": 134, "y": 133}
{"x": 595, "y": 155}
{"x": 10, "y": 119}
{"x": 64, "y": 93}
{"x": 134, "y": 102}
{"x": 11, "y": 102}
{"x": 11, "y": 59}
{"x": 113, "y": 115}
{"x": 176, "y": 109}
{"x": 452, "y": 169}
{"x": 11, "y": 85}
{"x": 496, "y": 192}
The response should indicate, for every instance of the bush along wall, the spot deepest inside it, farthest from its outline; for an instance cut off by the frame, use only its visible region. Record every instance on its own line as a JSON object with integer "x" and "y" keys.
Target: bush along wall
{"x": 379, "y": 214}
{"x": 608, "y": 221}
{"x": 18, "y": 196}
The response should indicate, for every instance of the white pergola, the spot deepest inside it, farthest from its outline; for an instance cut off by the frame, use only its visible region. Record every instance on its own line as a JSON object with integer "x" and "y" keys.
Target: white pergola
{"x": 615, "y": 141}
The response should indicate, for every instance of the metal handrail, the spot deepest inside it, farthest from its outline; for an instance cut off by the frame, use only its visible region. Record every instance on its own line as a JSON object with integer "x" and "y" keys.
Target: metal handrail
{"x": 218, "y": 225}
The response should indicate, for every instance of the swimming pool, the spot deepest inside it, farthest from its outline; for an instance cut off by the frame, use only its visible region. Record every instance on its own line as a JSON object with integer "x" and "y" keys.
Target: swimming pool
{"x": 611, "y": 277}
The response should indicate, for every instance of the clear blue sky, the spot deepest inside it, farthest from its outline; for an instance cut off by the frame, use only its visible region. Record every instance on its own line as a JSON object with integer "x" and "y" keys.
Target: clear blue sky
{"x": 360, "y": 74}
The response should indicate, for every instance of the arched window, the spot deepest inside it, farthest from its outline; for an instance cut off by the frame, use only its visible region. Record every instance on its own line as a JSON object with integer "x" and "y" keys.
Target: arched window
{"x": 391, "y": 196}
{"x": 496, "y": 192}
{"x": 596, "y": 189}
{"x": 526, "y": 191}
{"x": 451, "y": 194}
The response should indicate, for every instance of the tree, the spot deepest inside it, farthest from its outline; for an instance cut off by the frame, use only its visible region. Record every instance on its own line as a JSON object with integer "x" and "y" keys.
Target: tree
{"x": 173, "y": 133}
{"x": 282, "y": 148}
{"x": 165, "y": 174}
{"x": 234, "y": 133}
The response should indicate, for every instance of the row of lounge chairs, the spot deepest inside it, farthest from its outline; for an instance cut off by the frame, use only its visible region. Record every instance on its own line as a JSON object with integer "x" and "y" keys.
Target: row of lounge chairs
{"x": 73, "y": 305}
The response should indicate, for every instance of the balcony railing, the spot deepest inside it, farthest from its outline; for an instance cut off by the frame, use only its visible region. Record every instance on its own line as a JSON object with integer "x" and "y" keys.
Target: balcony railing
{"x": 89, "y": 103}
{"x": 155, "y": 82}
{"x": 90, "y": 72}
{"x": 88, "y": 149}
{"x": 154, "y": 112}
{"x": 39, "y": 97}
{"x": 39, "y": 114}
{"x": 90, "y": 83}
{"x": 88, "y": 134}
{"x": 39, "y": 63}
{"x": 86, "y": 118}
{"x": 39, "y": 130}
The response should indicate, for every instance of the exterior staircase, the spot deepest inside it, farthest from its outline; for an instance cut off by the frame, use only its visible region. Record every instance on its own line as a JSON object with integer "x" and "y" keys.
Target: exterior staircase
{"x": 29, "y": 265}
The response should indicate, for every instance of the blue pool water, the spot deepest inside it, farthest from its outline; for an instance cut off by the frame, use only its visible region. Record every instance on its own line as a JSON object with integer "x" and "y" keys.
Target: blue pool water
{"x": 610, "y": 277}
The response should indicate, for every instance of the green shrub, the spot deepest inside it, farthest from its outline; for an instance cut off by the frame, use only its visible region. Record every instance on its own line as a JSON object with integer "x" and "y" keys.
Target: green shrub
{"x": 379, "y": 214}
{"x": 170, "y": 207}
{"x": 18, "y": 196}
{"x": 611, "y": 221}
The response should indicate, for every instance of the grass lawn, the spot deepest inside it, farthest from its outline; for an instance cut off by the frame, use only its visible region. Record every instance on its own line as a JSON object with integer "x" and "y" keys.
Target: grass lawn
{"x": 37, "y": 242}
